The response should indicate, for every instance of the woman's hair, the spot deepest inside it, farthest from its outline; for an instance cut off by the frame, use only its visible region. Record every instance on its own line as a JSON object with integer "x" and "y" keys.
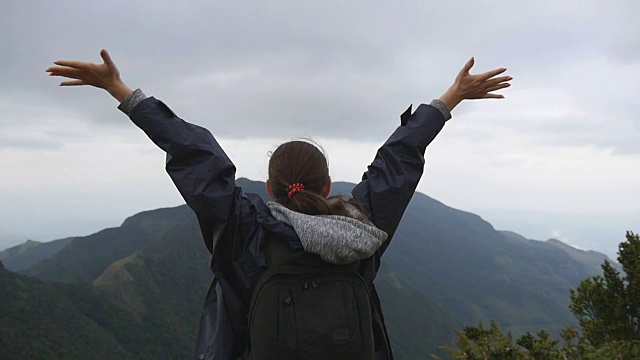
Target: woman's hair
{"x": 300, "y": 162}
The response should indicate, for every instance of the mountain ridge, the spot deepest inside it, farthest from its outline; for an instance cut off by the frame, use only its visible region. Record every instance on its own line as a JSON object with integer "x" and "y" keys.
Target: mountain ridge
{"x": 445, "y": 268}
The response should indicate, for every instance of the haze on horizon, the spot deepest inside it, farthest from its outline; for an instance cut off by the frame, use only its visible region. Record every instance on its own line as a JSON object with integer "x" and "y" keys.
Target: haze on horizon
{"x": 559, "y": 157}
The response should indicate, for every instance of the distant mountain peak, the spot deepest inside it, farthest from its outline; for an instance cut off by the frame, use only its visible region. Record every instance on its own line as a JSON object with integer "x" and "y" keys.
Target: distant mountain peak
{"x": 555, "y": 241}
{"x": 25, "y": 255}
{"x": 592, "y": 257}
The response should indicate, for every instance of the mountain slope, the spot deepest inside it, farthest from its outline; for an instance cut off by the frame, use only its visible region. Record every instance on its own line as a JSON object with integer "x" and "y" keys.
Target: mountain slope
{"x": 591, "y": 259}
{"x": 445, "y": 268}
{"x": 29, "y": 253}
{"x": 417, "y": 325}
{"x": 85, "y": 258}
{"x": 145, "y": 306}
{"x": 42, "y": 321}
{"x": 478, "y": 273}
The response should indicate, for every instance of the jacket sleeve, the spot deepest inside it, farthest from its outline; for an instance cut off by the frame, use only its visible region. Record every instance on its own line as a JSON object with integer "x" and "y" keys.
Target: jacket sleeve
{"x": 202, "y": 172}
{"x": 390, "y": 181}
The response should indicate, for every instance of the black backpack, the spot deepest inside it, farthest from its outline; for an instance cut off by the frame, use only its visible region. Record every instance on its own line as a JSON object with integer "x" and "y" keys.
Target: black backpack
{"x": 305, "y": 308}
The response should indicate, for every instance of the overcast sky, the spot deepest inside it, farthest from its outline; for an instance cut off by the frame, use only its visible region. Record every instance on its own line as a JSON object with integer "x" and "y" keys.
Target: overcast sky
{"x": 559, "y": 157}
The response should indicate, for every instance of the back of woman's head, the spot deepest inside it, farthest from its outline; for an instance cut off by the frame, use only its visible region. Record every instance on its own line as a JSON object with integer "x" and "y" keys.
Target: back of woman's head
{"x": 298, "y": 175}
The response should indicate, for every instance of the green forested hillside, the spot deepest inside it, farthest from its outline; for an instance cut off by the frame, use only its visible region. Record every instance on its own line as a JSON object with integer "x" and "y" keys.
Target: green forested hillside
{"x": 417, "y": 325}
{"x": 43, "y": 321}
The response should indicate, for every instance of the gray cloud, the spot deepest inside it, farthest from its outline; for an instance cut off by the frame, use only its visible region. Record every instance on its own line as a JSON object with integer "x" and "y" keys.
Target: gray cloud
{"x": 623, "y": 31}
{"x": 7, "y": 142}
{"x": 323, "y": 69}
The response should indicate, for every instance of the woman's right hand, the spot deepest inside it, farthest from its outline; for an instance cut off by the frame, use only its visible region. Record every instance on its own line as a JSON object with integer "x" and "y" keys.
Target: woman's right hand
{"x": 104, "y": 76}
{"x": 479, "y": 86}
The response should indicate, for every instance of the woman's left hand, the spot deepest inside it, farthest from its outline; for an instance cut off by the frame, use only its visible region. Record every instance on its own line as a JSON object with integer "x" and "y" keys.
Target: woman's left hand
{"x": 104, "y": 76}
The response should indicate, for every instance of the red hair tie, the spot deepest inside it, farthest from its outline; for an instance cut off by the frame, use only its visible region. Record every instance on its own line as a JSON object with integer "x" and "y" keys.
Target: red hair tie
{"x": 293, "y": 188}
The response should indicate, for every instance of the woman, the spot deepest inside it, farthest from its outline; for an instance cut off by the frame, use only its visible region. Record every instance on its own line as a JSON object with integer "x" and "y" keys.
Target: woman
{"x": 235, "y": 225}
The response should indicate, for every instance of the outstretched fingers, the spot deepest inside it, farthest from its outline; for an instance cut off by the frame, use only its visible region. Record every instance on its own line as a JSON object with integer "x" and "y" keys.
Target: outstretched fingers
{"x": 498, "y": 87}
{"x": 65, "y": 71}
{"x": 489, "y": 74}
{"x": 467, "y": 67}
{"x": 73, "y": 83}
{"x": 478, "y": 86}
{"x": 492, "y": 83}
{"x": 82, "y": 65}
{"x": 104, "y": 54}
{"x": 103, "y": 76}
{"x": 498, "y": 80}
{"x": 489, "y": 91}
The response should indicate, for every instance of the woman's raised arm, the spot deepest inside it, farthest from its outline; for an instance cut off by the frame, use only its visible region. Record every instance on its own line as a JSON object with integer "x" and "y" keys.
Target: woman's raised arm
{"x": 198, "y": 166}
{"x": 390, "y": 181}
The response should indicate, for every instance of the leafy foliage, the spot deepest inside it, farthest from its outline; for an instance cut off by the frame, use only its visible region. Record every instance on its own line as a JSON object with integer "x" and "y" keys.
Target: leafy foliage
{"x": 608, "y": 306}
{"x": 480, "y": 343}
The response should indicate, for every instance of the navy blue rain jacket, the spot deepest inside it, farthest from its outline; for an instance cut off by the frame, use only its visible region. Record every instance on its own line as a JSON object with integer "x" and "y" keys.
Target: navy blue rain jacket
{"x": 234, "y": 224}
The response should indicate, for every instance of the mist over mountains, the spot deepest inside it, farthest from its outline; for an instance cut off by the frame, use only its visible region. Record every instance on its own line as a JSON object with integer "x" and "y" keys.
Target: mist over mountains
{"x": 136, "y": 291}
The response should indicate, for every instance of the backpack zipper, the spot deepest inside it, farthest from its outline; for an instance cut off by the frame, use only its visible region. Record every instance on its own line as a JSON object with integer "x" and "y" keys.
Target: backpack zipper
{"x": 308, "y": 280}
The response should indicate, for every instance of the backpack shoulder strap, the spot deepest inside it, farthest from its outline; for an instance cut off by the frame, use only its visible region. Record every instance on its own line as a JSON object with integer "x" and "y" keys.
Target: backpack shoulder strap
{"x": 277, "y": 251}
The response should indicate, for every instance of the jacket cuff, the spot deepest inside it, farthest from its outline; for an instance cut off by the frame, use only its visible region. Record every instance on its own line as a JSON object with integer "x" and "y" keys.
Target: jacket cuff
{"x": 436, "y": 103}
{"x": 131, "y": 101}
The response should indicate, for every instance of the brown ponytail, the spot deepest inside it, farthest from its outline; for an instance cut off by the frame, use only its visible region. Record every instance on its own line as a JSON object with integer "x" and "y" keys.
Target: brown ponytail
{"x": 299, "y": 162}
